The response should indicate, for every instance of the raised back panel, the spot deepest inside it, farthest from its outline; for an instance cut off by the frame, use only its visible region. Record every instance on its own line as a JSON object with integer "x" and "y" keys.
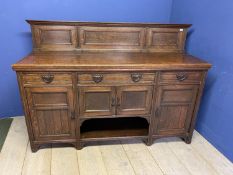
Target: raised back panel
{"x": 93, "y": 36}
{"x": 111, "y": 38}
{"x": 55, "y": 38}
{"x": 166, "y": 40}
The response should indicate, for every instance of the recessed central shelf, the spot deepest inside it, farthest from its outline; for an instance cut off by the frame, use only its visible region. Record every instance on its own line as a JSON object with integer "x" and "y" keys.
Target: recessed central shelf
{"x": 114, "y": 127}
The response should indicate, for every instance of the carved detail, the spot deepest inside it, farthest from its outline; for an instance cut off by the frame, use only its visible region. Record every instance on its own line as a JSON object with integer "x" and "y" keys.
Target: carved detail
{"x": 181, "y": 76}
{"x": 47, "y": 78}
{"x": 97, "y": 78}
{"x": 136, "y": 77}
{"x": 113, "y": 102}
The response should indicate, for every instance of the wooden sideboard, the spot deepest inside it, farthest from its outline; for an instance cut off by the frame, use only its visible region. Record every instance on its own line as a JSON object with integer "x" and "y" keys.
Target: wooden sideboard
{"x": 87, "y": 81}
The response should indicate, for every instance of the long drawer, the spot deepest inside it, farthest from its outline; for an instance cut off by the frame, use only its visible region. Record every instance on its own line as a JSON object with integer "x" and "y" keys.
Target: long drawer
{"x": 116, "y": 78}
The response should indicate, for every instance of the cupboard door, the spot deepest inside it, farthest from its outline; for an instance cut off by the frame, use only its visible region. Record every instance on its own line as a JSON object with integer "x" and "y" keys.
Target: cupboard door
{"x": 134, "y": 100}
{"x": 176, "y": 105}
{"x": 96, "y": 101}
{"x": 52, "y": 113}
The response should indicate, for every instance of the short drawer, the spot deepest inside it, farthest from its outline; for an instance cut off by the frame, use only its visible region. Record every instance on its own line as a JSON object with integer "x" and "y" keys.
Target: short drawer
{"x": 47, "y": 79}
{"x": 119, "y": 78}
{"x": 181, "y": 76}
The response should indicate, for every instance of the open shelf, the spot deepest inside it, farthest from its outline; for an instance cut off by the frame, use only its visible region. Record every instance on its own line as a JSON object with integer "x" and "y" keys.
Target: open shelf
{"x": 114, "y": 127}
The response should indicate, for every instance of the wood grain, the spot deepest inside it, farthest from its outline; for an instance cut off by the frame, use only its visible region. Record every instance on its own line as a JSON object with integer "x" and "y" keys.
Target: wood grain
{"x": 64, "y": 161}
{"x": 87, "y": 81}
{"x": 39, "y": 163}
{"x": 14, "y": 149}
{"x": 172, "y": 156}
{"x": 91, "y": 161}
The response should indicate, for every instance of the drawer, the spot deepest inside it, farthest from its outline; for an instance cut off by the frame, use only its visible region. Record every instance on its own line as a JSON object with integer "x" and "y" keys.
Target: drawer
{"x": 47, "y": 79}
{"x": 181, "y": 76}
{"x": 118, "y": 78}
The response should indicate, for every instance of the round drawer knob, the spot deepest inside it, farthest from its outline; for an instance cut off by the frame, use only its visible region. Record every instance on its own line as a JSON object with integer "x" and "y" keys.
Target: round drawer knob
{"x": 97, "y": 78}
{"x": 136, "y": 77}
{"x": 47, "y": 78}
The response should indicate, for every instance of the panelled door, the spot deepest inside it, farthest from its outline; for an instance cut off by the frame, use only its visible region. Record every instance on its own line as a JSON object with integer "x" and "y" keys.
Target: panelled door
{"x": 134, "y": 100}
{"x": 108, "y": 101}
{"x": 52, "y": 112}
{"x": 96, "y": 101}
{"x": 176, "y": 105}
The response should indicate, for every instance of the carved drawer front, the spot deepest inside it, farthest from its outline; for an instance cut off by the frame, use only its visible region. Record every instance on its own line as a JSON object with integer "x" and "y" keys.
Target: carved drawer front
{"x": 111, "y": 38}
{"x": 52, "y": 113}
{"x": 166, "y": 40}
{"x": 47, "y": 78}
{"x": 181, "y": 76}
{"x": 176, "y": 105}
{"x": 121, "y": 78}
{"x": 55, "y": 37}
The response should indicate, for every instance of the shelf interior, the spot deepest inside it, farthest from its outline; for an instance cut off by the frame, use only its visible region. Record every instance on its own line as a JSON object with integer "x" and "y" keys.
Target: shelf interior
{"x": 114, "y": 127}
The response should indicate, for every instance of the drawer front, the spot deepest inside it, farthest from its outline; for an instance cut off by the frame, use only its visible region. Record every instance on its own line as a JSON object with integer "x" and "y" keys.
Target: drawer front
{"x": 47, "y": 79}
{"x": 123, "y": 78}
{"x": 180, "y": 77}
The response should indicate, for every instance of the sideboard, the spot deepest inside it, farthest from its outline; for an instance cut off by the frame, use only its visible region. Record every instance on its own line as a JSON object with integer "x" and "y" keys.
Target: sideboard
{"x": 88, "y": 81}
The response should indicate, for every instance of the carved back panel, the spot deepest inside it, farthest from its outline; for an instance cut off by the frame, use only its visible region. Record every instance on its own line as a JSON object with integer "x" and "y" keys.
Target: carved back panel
{"x": 92, "y": 36}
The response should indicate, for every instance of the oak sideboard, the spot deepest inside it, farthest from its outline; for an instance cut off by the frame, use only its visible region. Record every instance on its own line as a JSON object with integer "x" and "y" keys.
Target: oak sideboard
{"x": 89, "y": 81}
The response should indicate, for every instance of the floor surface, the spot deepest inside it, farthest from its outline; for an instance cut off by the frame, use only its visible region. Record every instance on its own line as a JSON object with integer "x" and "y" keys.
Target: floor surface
{"x": 165, "y": 157}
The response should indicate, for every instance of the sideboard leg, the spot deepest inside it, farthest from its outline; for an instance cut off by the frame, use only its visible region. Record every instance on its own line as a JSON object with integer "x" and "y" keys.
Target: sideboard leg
{"x": 187, "y": 139}
{"x": 149, "y": 141}
{"x": 34, "y": 148}
{"x": 79, "y": 146}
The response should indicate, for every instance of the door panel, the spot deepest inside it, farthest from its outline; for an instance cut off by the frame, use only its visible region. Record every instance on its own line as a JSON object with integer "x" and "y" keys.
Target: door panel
{"x": 51, "y": 112}
{"x": 134, "y": 100}
{"x": 52, "y": 122}
{"x": 176, "y": 104}
{"x": 97, "y": 101}
{"x": 49, "y": 98}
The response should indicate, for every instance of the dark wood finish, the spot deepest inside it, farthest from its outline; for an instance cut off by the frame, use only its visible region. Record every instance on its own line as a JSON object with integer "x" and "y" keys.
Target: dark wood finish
{"x": 134, "y": 100}
{"x": 96, "y": 101}
{"x": 52, "y": 113}
{"x": 166, "y": 39}
{"x": 90, "y": 81}
{"x": 110, "y": 62}
{"x": 116, "y": 78}
{"x": 81, "y": 36}
{"x": 113, "y": 128}
{"x": 111, "y": 38}
{"x": 176, "y": 105}
{"x": 54, "y": 37}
